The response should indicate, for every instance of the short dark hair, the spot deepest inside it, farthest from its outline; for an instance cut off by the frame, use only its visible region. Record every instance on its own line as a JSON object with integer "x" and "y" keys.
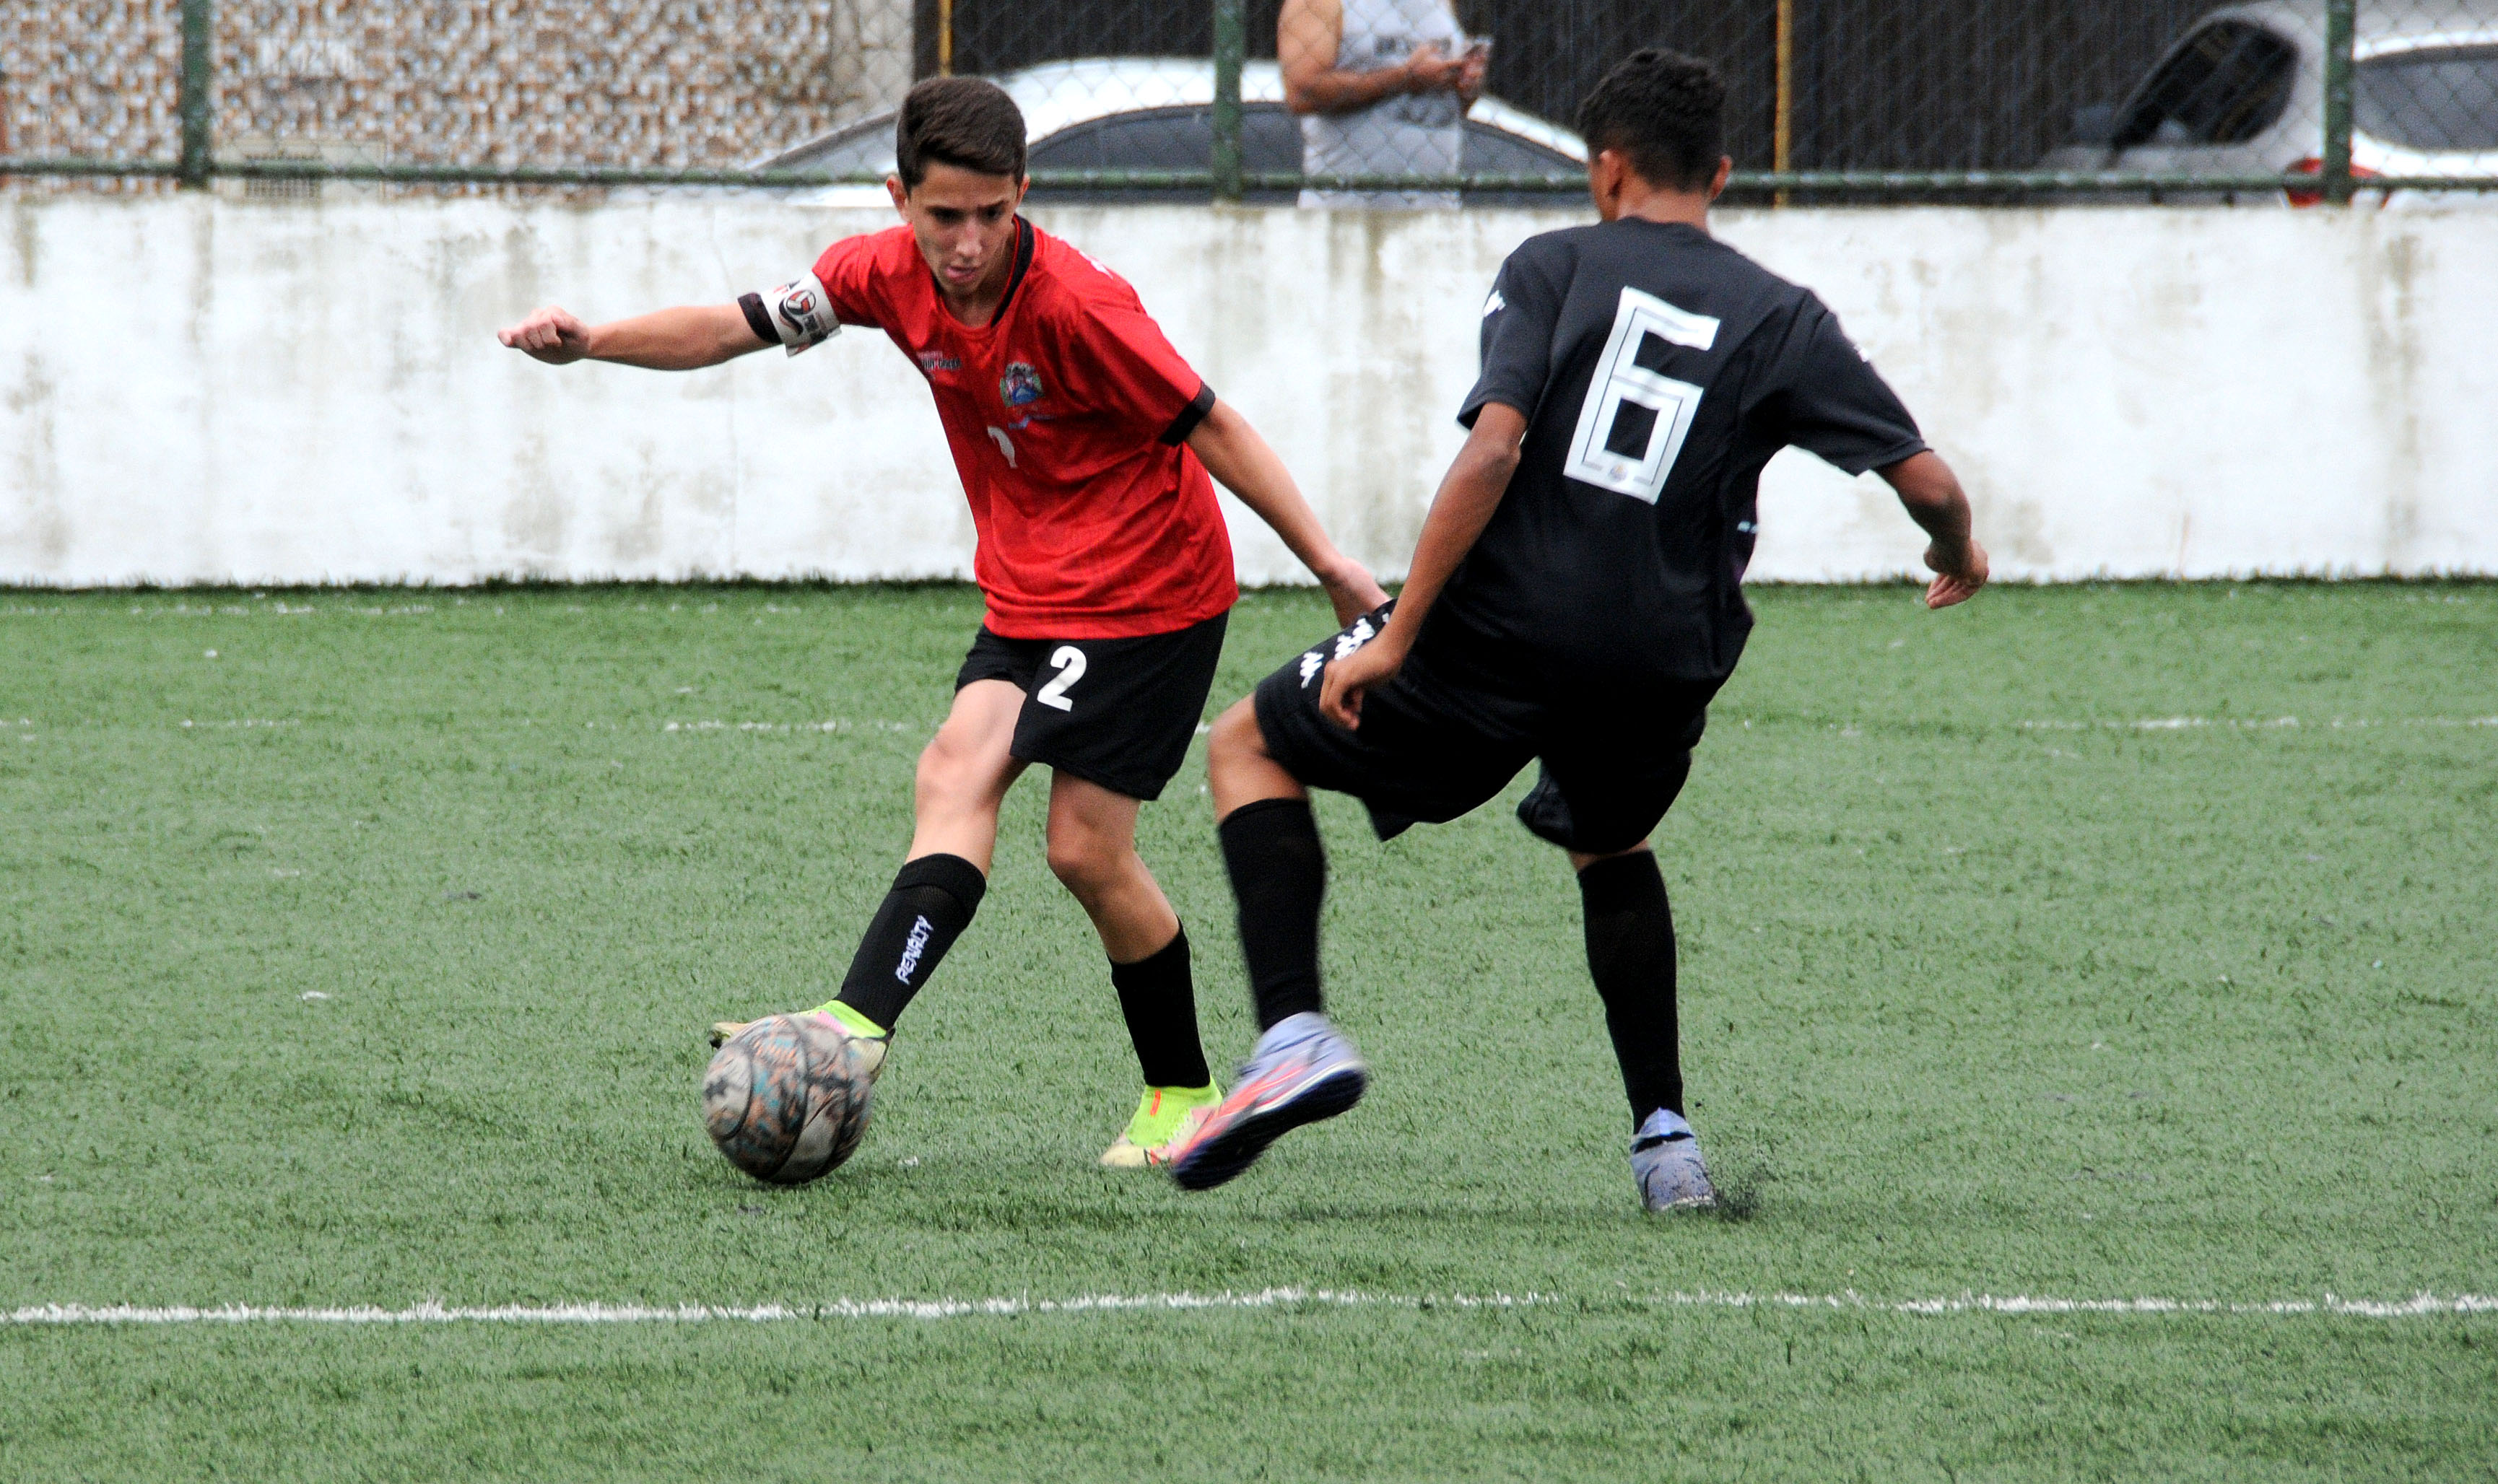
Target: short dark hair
{"x": 967, "y": 122}
{"x": 1663, "y": 111}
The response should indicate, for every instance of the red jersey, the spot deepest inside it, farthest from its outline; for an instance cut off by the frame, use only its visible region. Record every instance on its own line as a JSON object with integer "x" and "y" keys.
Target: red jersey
{"x": 1067, "y": 413}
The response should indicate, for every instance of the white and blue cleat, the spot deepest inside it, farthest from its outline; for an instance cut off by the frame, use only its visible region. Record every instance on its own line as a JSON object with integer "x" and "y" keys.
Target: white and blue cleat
{"x": 1665, "y": 1160}
{"x": 1303, "y": 1071}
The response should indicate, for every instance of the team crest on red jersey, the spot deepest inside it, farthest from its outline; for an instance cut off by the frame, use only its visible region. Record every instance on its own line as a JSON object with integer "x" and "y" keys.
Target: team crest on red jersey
{"x": 1020, "y": 386}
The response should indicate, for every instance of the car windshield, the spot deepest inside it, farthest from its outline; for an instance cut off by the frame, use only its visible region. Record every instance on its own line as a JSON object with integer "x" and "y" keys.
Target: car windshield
{"x": 2442, "y": 99}
{"x": 1171, "y": 138}
{"x": 864, "y": 149}
{"x": 2227, "y": 85}
{"x": 1271, "y": 142}
{"x": 1182, "y": 139}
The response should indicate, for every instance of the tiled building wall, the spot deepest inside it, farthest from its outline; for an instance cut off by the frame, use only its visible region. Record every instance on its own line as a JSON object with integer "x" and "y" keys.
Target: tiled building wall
{"x": 89, "y": 78}
{"x": 660, "y": 83}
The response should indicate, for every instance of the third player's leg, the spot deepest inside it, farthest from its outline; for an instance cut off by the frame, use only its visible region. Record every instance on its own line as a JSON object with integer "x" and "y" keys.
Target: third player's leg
{"x": 1630, "y": 954}
{"x": 1630, "y": 928}
{"x": 1238, "y": 768}
{"x": 1580, "y": 862}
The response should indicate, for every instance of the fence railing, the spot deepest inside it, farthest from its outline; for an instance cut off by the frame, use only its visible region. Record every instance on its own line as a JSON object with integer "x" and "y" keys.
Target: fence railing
{"x": 2128, "y": 154}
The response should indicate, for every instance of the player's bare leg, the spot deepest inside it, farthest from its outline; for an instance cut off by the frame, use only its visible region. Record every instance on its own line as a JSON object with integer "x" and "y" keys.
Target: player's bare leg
{"x": 1239, "y": 769}
{"x": 963, "y": 777}
{"x": 1303, "y": 1069}
{"x": 1630, "y": 952}
{"x": 1092, "y": 852}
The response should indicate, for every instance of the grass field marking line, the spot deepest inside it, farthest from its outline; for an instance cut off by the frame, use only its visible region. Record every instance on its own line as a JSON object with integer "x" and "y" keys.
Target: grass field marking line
{"x": 433, "y": 1311}
{"x": 2418, "y": 1306}
{"x": 834, "y": 725}
{"x": 2250, "y": 724}
{"x": 243, "y": 724}
{"x": 182, "y": 610}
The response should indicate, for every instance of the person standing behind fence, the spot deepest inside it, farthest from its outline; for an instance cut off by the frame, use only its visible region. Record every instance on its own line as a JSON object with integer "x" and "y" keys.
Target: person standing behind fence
{"x": 1382, "y": 88}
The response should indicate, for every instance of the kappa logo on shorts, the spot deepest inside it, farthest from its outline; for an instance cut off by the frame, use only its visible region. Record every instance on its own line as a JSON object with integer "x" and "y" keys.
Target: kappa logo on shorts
{"x": 1020, "y": 386}
{"x": 1352, "y": 639}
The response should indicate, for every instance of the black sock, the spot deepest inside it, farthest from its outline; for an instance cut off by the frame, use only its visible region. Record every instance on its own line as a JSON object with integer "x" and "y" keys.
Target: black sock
{"x": 1159, "y": 1002}
{"x": 1630, "y": 951}
{"x": 1279, "y": 876}
{"x": 931, "y": 903}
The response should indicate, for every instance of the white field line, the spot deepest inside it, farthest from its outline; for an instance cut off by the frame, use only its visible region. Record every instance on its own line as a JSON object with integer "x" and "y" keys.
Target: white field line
{"x": 2420, "y": 1306}
{"x": 1850, "y": 728}
{"x": 2253, "y": 724}
{"x": 836, "y": 725}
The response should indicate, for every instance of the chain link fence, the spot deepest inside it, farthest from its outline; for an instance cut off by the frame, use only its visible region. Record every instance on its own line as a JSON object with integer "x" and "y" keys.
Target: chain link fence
{"x": 1393, "y": 103}
{"x": 462, "y": 91}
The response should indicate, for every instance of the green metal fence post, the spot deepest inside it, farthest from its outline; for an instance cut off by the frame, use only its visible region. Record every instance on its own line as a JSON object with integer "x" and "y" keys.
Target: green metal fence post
{"x": 1230, "y": 43}
{"x": 2341, "y": 25}
{"x": 193, "y": 100}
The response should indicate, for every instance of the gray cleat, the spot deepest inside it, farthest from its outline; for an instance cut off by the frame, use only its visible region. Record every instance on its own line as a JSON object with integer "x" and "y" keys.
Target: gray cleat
{"x": 1665, "y": 1160}
{"x": 1303, "y": 1071}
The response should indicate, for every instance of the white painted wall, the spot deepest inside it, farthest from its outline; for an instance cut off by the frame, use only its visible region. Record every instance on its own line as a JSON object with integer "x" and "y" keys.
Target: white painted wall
{"x": 195, "y": 390}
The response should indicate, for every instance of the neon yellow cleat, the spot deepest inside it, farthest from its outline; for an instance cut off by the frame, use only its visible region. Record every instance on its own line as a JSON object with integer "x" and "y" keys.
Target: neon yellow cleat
{"x": 1166, "y": 1119}
{"x": 871, "y": 1038}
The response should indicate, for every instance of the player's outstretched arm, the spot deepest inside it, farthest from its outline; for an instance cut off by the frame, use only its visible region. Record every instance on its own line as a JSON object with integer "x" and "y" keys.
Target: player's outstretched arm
{"x": 682, "y": 340}
{"x": 1934, "y": 500}
{"x": 1469, "y": 494}
{"x": 1236, "y": 455}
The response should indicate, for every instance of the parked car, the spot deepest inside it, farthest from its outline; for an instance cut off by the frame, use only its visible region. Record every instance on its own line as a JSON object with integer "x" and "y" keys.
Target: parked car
{"x": 2243, "y": 93}
{"x": 1157, "y": 113}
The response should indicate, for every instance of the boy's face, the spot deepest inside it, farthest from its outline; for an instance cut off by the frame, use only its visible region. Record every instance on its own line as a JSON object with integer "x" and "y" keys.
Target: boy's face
{"x": 964, "y": 222}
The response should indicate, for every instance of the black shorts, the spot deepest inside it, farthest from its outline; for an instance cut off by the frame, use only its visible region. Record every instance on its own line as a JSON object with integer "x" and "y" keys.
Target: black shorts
{"x": 1456, "y": 724}
{"x": 1114, "y": 711}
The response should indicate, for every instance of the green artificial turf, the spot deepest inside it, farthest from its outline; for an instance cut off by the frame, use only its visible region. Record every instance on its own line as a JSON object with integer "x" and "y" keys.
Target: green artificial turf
{"x": 2090, "y": 942}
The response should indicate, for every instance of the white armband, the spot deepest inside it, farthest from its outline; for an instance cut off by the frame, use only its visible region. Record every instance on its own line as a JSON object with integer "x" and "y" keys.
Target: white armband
{"x": 797, "y": 314}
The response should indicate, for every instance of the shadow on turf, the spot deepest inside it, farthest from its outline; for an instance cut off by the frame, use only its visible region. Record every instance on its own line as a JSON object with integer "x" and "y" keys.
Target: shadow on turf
{"x": 1738, "y": 1191}
{"x": 1742, "y": 1178}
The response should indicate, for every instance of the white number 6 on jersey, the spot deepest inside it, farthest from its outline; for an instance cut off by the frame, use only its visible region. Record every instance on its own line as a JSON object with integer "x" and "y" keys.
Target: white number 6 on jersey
{"x": 1633, "y": 423}
{"x": 1069, "y": 662}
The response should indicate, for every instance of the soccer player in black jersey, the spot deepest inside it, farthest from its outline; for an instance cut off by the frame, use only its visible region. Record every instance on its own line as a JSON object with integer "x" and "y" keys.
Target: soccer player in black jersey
{"x": 1575, "y": 600}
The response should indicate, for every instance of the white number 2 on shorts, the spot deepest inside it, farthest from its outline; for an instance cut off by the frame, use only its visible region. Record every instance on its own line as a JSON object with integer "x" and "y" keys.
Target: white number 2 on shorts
{"x": 1069, "y": 662}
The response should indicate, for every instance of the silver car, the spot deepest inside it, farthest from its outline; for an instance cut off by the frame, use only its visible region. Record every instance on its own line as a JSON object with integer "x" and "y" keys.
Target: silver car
{"x": 2242, "y": 93}
{"x": 1157, "y": 113}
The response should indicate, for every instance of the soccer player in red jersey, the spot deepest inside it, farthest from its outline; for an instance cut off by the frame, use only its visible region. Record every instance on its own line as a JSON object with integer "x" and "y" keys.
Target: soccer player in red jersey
{"x": 1085, "y": 444}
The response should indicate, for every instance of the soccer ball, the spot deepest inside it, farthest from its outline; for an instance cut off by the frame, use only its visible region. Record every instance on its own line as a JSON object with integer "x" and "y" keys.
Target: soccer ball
{"x": 786, "y": 1099}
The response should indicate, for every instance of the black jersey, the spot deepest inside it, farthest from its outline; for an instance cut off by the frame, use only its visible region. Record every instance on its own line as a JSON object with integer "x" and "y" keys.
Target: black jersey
{"x": 1658, "y": 370}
